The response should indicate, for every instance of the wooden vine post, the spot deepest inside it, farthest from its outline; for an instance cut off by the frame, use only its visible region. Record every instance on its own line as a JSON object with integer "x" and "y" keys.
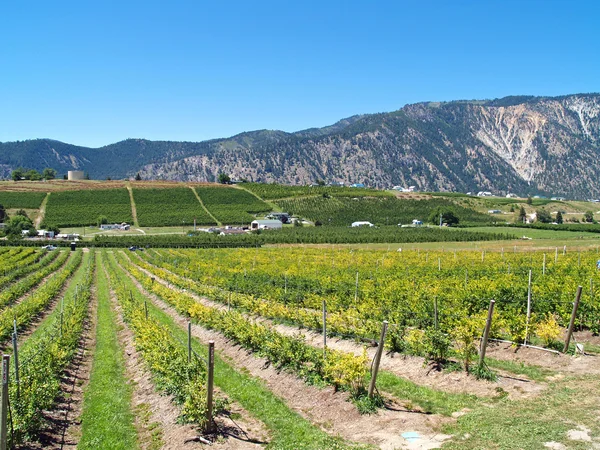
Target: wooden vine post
{"x": 528, "y": 308}
{"x": 209, "y": 387}
{"x": 4, "y": 402}
{"x": 377, "y": 359}
{"x": 190, "y": 341}
{"x": 486, "y": 333}
{"x": 572, "y": 322}
{"x": 324, "y": 328}
{"x": 16, "y": 357}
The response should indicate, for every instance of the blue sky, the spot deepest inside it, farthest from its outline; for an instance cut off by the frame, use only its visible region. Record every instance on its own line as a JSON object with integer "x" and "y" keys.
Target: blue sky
{"x": 93, "y": 73}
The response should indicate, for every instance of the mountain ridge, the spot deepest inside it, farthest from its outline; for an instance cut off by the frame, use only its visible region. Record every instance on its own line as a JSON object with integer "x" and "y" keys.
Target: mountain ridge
{"x": 521, "y": 144}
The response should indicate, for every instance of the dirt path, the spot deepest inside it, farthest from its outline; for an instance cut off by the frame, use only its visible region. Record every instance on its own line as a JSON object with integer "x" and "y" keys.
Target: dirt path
{"x": 65, "y": 430}
{"x": 412, "y": 368}
{"x": 162, "y": 412}
{"x": 574, "y": 365}
{"x": 41, "y": 212}
{"x": 133, "y": 207}
{"x": 330, "y": 410}
{"x": 204, "y": 207}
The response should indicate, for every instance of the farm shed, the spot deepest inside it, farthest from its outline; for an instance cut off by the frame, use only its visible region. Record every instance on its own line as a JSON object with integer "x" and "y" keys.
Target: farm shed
{"x": 266, "y": 224}
{"x": 45, "y": 234}
{"x": 282, "y": 217}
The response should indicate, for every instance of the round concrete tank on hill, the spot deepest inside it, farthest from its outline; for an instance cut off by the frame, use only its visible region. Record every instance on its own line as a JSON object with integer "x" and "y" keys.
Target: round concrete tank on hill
{"x": 75, "y": 175}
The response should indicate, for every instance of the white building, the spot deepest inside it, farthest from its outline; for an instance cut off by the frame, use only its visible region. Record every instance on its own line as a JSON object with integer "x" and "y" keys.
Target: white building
{"x": 362, "y": 224}
{"x": 73, "y": 175}
{"x": 266, "y": 224}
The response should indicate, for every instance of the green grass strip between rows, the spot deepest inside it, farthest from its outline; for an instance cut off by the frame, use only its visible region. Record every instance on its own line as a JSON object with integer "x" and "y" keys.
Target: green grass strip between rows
{"x": 107, "y": 420}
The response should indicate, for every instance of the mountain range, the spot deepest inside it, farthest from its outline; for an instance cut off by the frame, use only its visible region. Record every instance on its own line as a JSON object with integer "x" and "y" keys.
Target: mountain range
{"x": 520, "y": 144}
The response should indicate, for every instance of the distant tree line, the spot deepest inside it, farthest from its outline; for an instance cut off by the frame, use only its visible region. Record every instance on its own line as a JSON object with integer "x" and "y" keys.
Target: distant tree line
{"x": 32, "y": 174}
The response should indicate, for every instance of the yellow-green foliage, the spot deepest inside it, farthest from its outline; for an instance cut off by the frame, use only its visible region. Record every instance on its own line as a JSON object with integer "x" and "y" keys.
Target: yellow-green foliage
{"x": 165, "y": 356}
{"x": 466, "y": 333}
{"x": 343, "y": 370}
{"x": 47, "y": 352}
{"x": 415, "y": 342}
{"x": 548, "y": 330}
{"x": 346, "y": 370}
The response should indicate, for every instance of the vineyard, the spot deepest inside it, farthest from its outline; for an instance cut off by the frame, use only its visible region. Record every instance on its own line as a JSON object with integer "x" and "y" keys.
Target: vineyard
{"x": 232, "y": 206}
{"x": 342, "y": 211}
{"x": 281, "y": 191}
{"x": 169, "y": 207}
{"x": 296, "y": 335}
{"x": 25, "y": 200}
{"x": 80, "y": 208}
{"x": 363, "y": 288}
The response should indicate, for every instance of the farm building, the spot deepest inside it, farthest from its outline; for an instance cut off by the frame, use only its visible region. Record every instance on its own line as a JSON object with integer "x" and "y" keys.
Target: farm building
{"x": 115, "y": 226}
{"x": 74, "y": 175}
{"x": 266, "y": 224}
{"x": 283, "y": 217}
{"x": 45, "y": 234}
{"x": 362, "y": 224}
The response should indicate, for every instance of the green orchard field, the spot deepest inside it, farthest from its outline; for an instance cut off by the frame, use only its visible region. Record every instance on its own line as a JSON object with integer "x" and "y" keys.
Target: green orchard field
{"x": 78, "y": 208}
{"x": 169, "y": 207}
{"x": 232, "y": 206}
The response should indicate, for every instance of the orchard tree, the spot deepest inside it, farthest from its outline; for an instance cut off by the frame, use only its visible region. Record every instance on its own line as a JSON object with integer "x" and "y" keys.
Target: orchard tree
{"x": 559, "y": 217}
{"x": 17, "y": 224}
{"x": 522, "y": 215}
{"x": 223, "y": 178}
{"x": 33, "y": 175}
{"x": 49, "y": 174}
{"x": 543, "y": 216}
{"x": 447, "y": 216}
{"x": 17, "y": 174}
{"x": 101, "y": 220}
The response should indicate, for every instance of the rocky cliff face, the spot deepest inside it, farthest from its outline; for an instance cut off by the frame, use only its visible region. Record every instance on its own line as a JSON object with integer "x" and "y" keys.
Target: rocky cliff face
{"x": 515, "y": 144}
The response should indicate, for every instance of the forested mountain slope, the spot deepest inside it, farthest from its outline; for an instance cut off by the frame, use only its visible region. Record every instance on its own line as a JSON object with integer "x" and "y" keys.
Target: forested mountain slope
{"x": 517, "y": 144}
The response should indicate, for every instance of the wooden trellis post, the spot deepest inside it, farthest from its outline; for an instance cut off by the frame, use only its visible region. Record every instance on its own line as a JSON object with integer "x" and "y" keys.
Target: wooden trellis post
{"x": 210, "y": 386}
{"x": 486, "y": 333}
{"x": 377, "y": 359}
{"x": 4, "y": 402}
{"x": 572, "y": 322}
